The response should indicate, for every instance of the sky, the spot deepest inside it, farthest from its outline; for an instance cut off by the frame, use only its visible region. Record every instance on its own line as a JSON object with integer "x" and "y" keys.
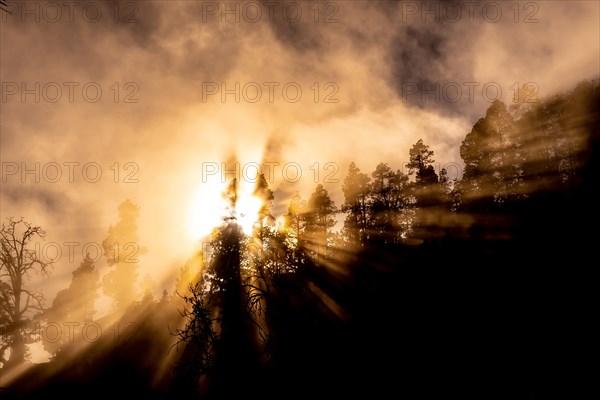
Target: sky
{"x": 104, "y": 101}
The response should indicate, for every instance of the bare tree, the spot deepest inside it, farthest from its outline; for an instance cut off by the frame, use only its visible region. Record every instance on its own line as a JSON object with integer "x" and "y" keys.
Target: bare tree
{"x": 17, "y": 304}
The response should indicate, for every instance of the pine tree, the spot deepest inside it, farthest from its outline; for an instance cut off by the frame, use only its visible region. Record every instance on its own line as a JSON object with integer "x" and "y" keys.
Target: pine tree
{"x": 294, "y": 227}
{"x": 122, "y": 249}
{"x": 74, "y": 305}
{"x": 320, "y": 218}
{"x": 356, "y": 194}
{"x": 389, "y": 199}
{"x": 421, "y": 164}
{"x": 491, "y": 168}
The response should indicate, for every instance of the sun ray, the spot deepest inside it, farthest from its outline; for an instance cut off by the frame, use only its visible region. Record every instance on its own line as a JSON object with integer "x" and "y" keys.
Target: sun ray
{"x": 208, "y": 208}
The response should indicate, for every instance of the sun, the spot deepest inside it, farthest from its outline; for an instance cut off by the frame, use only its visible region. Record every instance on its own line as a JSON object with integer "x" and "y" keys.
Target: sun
{"x": 208, "y": 208}
{"x": 247, "y": 209}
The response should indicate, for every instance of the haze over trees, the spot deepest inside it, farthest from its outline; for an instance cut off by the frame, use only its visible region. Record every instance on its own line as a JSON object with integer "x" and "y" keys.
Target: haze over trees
{"x": 463, "y": 283}
{"x": 122, "y": 249}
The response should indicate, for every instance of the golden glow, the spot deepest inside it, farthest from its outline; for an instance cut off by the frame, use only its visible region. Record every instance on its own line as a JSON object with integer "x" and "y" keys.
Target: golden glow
{"x": 206, "y": 209}
{"x": 209, "y": 207}
{"x": 247, "y": 208}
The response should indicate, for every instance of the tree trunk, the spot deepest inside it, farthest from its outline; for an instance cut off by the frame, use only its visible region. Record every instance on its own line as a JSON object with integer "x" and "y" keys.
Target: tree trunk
{"x": 17, "y": 350}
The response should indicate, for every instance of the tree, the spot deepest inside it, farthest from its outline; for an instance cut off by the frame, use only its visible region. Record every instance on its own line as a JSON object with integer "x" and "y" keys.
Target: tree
{"x": 426, "y": 188}
{"x": 431, "y": 193}
{"x": 421, "y": 164}
{"x": 262, "y": 234}
{"x": 294, "y": 227}
{"x": 320, "y": 218}
{"x": 74, "y": 305}
{"x": 18, "y": 262}
{"x": 389, "y": 199}
{"x": 191, "y": 271}
{"x": 446, "y": 189}
{"x": 165, "y": 296}
{"x": 490, "y": 166}
{"x": 263, "y": 260}
{"x": 262, "y": 191}
{"x": 121, "y": 249}
{"x": 84, "y": 288}
{"x": 356, "y": 195}
{"x": 218, "y": 327}
{"x": 148, "y": 287}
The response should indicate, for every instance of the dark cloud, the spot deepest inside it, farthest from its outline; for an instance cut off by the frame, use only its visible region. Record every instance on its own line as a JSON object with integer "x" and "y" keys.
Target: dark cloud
{"x": 209, "y": 61}
{"x": 46, "y": 199}
{"x": 292, "y": 28}
{"x": 140, "y": 21}
{"x": 425, "y": 59}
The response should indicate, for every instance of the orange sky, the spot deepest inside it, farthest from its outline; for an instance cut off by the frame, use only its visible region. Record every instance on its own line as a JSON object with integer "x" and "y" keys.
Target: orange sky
{"x": 160, "y": 125}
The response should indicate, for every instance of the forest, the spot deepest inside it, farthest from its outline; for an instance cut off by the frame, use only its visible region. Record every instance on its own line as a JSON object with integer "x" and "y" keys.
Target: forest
{"x": 475, "y": 287}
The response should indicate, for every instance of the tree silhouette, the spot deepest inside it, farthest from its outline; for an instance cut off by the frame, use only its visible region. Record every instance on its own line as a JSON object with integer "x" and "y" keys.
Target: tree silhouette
{"x": 262, "y": 242}
{"x": 433, "y": 201}
{"x": 421, "y": 164}
{"x": 264, "y": 259}
{"x": 218, "y": 328}
{"x": 262, "y": 191}
{"x": 490, "y": 171}
{"x": 18, "y": 262}
{"x": 294, "y": 227}
{"x": 389, "y": 199}
{"x": 461, "y": 283}
{"x": 356, "y": 205}
{"x": 122, "y": 249}
{"x": 320, "y": 219}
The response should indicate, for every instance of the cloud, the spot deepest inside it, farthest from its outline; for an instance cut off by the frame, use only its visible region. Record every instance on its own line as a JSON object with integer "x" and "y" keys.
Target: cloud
{"x": 351, "y": 60}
